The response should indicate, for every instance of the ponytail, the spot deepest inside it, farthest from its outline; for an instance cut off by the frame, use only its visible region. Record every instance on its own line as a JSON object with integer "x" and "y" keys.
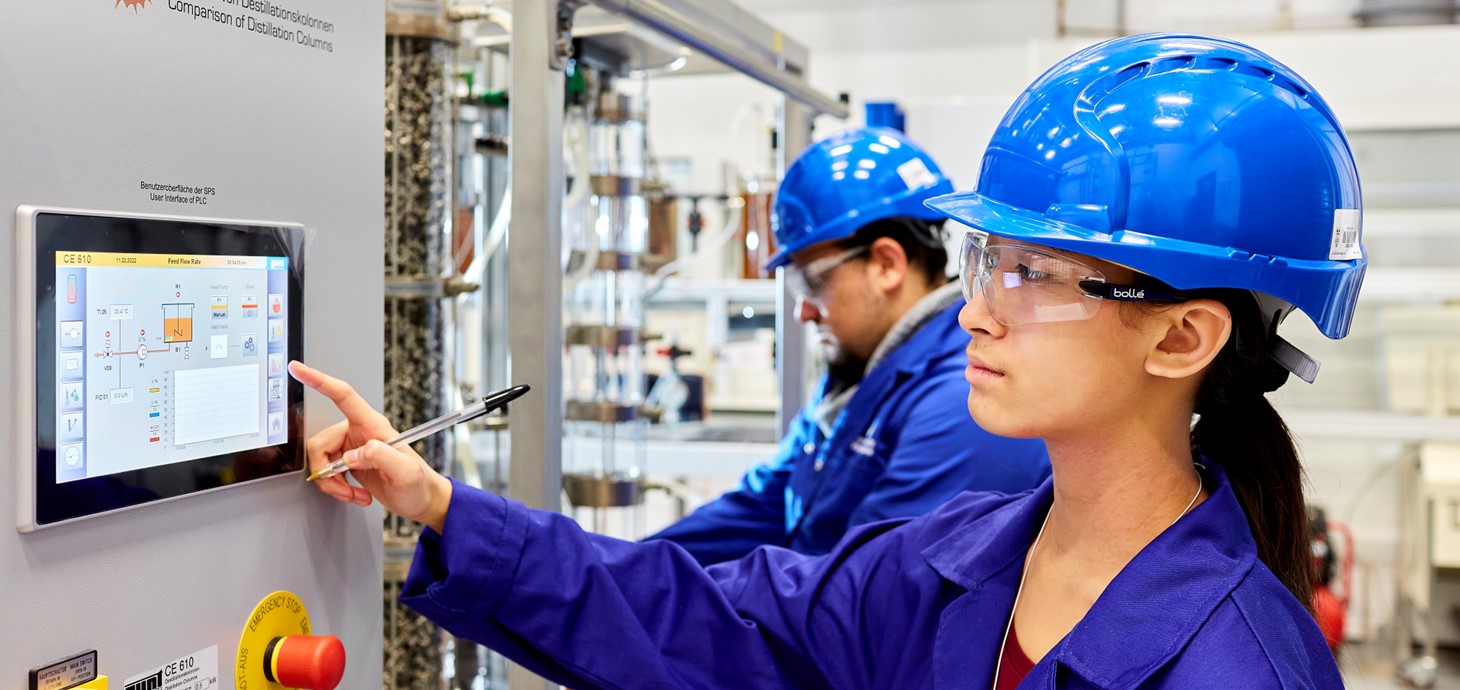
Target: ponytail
{"x": 1239, "y": 428}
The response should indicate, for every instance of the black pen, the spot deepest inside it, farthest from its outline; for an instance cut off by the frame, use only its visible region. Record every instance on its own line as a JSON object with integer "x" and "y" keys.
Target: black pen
{"x": 468, "y": 413}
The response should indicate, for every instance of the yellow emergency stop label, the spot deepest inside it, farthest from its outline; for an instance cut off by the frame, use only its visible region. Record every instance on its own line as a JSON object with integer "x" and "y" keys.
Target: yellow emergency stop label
{"x": 278, "y": 615}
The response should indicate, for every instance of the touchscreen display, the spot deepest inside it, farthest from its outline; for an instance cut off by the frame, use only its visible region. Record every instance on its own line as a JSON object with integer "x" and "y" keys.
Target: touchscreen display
{"x": 166, "y": 358}
{"x": 160, "y": 347}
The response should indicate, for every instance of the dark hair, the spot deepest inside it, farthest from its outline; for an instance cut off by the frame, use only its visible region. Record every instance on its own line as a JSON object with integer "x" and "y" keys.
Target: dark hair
{"x": 921, "y": 241}
{"x": 1239, "y": 428}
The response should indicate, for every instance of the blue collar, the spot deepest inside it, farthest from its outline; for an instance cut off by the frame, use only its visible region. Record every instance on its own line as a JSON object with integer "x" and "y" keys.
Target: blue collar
{"x": 933, "y": 342}
{"x": 1149, "y": 612}
{"x": 936, "y": 338}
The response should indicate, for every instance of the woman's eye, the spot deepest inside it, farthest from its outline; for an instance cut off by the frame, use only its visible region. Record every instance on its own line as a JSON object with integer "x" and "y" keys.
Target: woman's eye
{"x": 1029, "y": 274}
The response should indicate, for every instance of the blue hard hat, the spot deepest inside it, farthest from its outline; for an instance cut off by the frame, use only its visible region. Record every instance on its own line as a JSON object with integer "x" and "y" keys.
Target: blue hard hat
{"x": 848, "y": 180}
{"x": 1198, "y": 161}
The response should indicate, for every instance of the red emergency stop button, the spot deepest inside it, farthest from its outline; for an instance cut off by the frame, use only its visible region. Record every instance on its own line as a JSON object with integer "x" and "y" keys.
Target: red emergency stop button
{"x": 306, "y": 662}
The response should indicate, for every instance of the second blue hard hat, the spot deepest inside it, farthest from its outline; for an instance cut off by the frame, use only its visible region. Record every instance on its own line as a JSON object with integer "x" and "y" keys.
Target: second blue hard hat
{"x": 848, "y": 180}
{"x": 1199, "y": 161}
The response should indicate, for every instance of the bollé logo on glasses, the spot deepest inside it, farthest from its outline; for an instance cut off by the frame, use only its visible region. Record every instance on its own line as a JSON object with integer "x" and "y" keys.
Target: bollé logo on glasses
{"x": 134, "y": 4}
{"x": 1128, "y": 293}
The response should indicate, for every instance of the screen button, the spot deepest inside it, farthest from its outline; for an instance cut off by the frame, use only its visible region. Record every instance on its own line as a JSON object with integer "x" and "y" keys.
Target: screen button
{"x": 72, "y": 456}
{"x": 73, "y": 334}
{"x": 73, "y": 428}
{"x": 72, "y": 394}
{"x": 72, "y": 365}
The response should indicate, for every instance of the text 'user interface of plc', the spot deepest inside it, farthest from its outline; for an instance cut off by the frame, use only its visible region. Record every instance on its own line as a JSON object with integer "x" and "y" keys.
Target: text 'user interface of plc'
{"x": 164, "y": 358}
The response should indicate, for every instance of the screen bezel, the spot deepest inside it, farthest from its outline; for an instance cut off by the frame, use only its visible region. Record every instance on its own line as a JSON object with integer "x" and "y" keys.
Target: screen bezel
{"x": 54, "y": 230}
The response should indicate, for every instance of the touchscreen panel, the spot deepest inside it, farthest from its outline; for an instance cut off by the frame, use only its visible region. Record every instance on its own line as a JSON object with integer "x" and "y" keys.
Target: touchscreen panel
{"x": 160, "y": 347}
{"x": 167, "y": 358}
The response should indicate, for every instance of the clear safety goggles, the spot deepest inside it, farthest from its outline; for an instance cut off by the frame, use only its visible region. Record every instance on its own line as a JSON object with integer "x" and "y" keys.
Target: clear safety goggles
{"x": 1023, "y": 284}
{"x": 809, "y": 282}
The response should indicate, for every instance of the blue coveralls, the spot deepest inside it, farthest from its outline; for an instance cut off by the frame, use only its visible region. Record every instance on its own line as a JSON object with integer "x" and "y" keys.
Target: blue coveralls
{"x": 902, "y": 446}
{"x": 904, "y": 604}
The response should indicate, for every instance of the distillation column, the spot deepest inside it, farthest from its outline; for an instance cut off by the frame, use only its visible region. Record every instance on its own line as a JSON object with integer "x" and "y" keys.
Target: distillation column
{"x": 418, "y": 183}
{"x": 606, "y": 229}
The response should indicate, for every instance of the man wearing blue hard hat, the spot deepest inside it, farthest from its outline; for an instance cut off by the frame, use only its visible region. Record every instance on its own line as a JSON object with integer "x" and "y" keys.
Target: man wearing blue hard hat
{"x": 877, "y": 440}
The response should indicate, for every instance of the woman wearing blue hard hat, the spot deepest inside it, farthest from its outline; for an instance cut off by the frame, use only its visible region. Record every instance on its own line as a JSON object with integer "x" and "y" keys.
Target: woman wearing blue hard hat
{"x": 1148, "y": 213}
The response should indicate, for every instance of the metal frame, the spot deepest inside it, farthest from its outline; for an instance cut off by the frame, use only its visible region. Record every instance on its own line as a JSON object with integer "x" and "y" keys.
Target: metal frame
{"x": 535, "y": 290}
{"x": 539, "y": 46}
{"x": 535, "y": 283}
{"x": 534, "y": 280}
{"x": 734, "y": 37}
{"x": 791, "y": 365}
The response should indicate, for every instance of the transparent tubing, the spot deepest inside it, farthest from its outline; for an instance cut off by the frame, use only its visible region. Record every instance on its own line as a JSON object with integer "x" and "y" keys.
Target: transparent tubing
{"x": 605, "y": 453}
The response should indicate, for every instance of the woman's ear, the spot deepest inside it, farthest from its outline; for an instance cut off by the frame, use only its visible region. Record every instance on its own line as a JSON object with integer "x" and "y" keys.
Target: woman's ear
{"x": 1194, "y": 333}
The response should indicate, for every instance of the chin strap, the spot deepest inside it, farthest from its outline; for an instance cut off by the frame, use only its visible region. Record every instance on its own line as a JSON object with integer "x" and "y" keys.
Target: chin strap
{"x": 1291, "y": 358}
{"x": 1282, "y": 352}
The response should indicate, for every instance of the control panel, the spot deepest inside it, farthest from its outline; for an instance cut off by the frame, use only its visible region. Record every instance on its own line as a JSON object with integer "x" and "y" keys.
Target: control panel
{"x": 160, "y": 347}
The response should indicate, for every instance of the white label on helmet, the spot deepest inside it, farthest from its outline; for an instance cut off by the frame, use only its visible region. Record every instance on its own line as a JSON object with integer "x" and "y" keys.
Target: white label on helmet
{"x": 916, "y": 175}
{"x": 1345, "y": 243}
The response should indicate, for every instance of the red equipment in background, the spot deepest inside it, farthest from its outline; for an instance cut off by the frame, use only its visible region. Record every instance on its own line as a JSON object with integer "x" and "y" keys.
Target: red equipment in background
{"x": 1330, "y": 597}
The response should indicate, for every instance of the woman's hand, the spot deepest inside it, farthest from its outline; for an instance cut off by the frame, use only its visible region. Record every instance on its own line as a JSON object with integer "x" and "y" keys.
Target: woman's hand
{"x": 398, "y": 477}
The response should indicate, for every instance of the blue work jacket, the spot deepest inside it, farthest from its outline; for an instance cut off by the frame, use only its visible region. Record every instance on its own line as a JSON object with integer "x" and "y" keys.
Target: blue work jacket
{"x": 906, "y": 604}
{"x": 902, "y": 446}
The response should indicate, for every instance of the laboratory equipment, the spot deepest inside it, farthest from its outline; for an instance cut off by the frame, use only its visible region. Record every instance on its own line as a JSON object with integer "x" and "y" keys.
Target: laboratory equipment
{"x": 421, "y": 283}
{"x": 604, "y": 384}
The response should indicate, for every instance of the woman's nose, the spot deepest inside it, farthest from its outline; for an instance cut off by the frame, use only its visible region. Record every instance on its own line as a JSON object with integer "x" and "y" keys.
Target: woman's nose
{"x": 975, "y": 316}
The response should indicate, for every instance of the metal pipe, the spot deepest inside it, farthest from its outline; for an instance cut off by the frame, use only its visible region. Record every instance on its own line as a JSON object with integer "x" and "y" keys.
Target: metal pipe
{"x": 795, "y": 126}
{"x": 1406, "y": 12}
{"x": 712, "y": 41}
{"x": 535, "y": 279}
{"x": 535, "y": 282}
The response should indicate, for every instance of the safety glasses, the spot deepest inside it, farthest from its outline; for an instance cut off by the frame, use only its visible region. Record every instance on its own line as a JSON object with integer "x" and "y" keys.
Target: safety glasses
{"x": 809, "y": 281}
{"x": 1023, "y": 284}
